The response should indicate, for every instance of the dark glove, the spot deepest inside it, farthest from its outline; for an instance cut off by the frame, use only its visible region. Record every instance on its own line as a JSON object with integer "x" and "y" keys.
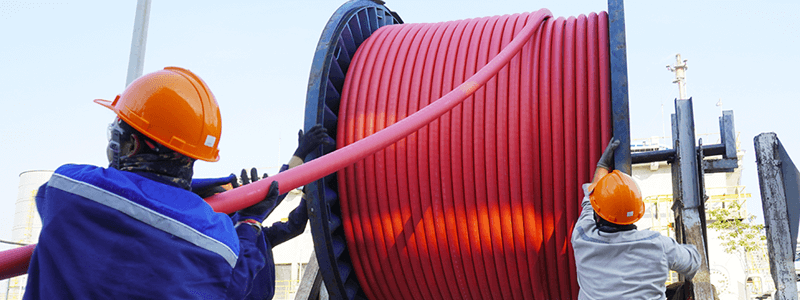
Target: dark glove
{"x": 252, "y": 178}
{"x": 608, "y": 156}
{"x": 312, "y": 139}
{"x": 260, "y": 210}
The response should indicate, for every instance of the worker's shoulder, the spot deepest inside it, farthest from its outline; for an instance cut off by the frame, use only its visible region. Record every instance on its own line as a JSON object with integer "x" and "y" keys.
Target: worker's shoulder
{"x": 640, "y": 236}
{"x": 75, "y": 168}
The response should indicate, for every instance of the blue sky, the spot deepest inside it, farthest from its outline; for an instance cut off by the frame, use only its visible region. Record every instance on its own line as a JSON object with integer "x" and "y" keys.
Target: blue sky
{"x": 56, "y": 57}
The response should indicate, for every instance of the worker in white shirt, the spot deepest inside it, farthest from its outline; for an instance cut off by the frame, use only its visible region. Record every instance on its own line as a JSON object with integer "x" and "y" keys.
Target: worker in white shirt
{"x": 615, "y": 260}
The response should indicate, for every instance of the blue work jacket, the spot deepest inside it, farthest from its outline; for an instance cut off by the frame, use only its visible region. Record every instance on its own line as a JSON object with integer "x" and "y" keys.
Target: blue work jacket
{"x": 110, "y": 234}
{"x": 274, "y": 235}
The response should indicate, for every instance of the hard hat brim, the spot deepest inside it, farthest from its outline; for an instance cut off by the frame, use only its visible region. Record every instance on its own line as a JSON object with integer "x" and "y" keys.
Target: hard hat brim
{"x": 107, "y": 103}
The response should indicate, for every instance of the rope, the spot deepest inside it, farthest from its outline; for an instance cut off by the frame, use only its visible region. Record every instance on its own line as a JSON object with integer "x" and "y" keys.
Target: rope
{"x": 480, "y": 202}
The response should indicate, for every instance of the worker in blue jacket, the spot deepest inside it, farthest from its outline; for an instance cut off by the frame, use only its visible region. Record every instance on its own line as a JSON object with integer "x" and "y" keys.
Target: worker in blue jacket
{"x": 135, "y": 230}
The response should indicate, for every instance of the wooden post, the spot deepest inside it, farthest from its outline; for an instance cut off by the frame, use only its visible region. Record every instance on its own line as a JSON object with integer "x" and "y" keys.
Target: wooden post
{"x": 311, "y": 285}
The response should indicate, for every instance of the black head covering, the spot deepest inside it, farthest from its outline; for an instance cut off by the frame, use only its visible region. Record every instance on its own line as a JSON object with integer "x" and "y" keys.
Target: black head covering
{"x": 606, "y": 226}
{"x": 129, "y": 150}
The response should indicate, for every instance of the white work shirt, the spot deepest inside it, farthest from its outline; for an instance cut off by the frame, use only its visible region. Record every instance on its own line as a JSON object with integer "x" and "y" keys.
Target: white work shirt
{"x": 631, "y": 264}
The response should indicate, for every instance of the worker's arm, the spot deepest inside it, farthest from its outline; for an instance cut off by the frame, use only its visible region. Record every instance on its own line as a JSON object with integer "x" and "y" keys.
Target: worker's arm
{"x": 252, "y": 247}
{"x": 603, "y": 167}
{"x": 605, "y": 161}
{"x": 681, "y": 258}
{"x": 599, "y": 173}
{"x": 280, "y": 232}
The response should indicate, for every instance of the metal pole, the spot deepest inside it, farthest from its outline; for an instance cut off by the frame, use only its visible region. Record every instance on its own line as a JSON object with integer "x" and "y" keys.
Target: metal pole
{"x": 619, "y": 85}
{"x": 776, "y": 219}
{"x": 138, "y": 41}
{"x": 689, "y": 194}
{"x": 680, "y": 75}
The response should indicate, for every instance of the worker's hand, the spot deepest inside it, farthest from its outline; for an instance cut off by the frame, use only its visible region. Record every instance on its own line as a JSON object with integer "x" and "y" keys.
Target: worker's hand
{"x": 312, "y": 139}
{"x": 259, "y": 210}
{"x": 252, "y": 178}
{"x": 608, "y": 156}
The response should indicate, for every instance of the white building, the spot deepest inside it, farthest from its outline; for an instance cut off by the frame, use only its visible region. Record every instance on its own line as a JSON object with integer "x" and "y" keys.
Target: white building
{"x": 27, "y": 225}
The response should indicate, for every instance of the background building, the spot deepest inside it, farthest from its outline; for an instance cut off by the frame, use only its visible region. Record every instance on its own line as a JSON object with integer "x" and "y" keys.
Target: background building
{"x": 27, "y": 225}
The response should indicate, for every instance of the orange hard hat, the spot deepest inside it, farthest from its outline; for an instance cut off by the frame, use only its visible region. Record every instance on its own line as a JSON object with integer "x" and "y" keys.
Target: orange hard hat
{"x": 617, "y": 199}
{"x": 175, "y": 108}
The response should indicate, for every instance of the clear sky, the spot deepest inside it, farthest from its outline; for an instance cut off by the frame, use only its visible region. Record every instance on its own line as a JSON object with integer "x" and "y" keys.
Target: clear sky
{"x": 56, "y": 57}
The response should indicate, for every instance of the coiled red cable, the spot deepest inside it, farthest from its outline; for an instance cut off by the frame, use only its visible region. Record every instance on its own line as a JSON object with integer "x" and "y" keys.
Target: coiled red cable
{"x": 479, "y": 203}
{"x": 457, "y": 219}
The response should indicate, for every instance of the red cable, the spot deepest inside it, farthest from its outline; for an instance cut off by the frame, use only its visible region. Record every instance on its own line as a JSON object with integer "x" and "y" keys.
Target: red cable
{"x": 513, "y": 163}
{"x": 432, "y": 272}
{"x": 425, "y": 164}
{"x": 570, "y": 142}
{"x": 545, "y": 159}
{"x": 533, "y": 210}
{"x": 557, "y": 121}
{"x": 399, "y": 210}
{"x": 605, "y": 79}
{"x": 490, "y": 181}
{"x": 443, "y": 220}
{"x": 452, "y": 268}
{"x": 363, "y": 232}
{"x": 581, "y": 114}
{"x": 375, "y": 171}
{"x": 595, "y": 137}
{"x": 487, "y": 287}
{"x": 479, "y": 166}
{"x": 457, "y": 230}
{"x": 369, "y": 199}
{"x": 445, "y": 162}
{"x": 407, "y": 185}
{"x": 15, "y": 261}
{"x": 484, "y": 196}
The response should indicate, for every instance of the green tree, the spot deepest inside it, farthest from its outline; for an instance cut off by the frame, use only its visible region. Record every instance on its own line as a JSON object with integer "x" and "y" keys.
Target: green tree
{"x": 737, "y": 232}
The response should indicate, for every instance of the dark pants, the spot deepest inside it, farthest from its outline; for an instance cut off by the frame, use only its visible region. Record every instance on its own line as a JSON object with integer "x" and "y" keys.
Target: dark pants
{"x": 679, "y": 291}
{"x": 683, "y": 291}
